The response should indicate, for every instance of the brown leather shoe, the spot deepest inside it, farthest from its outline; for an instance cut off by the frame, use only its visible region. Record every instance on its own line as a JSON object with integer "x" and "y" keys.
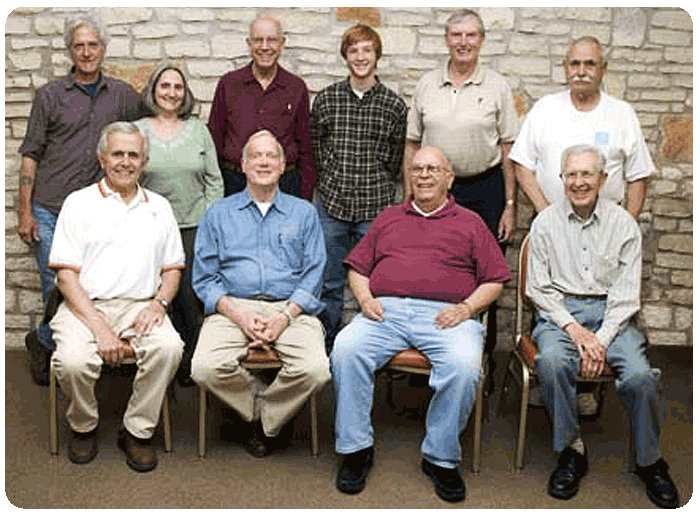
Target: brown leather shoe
{"x": 140, "y": 455}
{"x": 82, "y": 447}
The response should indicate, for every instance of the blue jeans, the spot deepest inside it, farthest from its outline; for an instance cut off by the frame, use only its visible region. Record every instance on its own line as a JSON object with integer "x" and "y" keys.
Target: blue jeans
{"x": 559, "y": 362}
{"x": 340, "y": 238}
{"x": 46, "y": 221}
{"x": 364, "y": 346}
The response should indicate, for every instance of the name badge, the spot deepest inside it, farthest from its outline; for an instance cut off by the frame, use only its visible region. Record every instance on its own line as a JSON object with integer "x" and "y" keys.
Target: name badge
{"x": 602, "y": 138}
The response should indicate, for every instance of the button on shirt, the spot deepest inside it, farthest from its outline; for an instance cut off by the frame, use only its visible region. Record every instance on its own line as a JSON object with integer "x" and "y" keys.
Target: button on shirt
{"x": 599, "y": 256}
{"x": 468, "y": 123}
{"x": 243, "y": 254}
{"x": 62, "y": 133}
{"x": 119, "y": 250}
{"x": 241, "y": 107}
{"x": 358, "y": 145}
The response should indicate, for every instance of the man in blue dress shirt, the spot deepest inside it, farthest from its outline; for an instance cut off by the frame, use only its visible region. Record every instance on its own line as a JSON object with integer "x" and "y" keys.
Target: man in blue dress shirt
{"x": 258, "y": 267}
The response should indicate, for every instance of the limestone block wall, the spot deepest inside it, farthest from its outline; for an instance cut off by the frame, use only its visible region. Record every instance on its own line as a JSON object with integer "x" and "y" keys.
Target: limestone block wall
{"x": 651, "y": 66}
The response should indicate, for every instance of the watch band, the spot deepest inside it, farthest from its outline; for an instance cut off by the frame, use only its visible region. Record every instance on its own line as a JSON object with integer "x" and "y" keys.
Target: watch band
{"x": 163, "y": 302}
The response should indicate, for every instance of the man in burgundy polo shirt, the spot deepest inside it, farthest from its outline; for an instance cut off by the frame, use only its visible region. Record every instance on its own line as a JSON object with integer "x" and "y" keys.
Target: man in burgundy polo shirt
{"x": 263, "y": 95}
{"x": 422, "y": 274}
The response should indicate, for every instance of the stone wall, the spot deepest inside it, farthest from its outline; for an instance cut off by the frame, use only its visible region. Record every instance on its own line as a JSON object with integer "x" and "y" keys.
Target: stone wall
{"x": 651, "y": 65}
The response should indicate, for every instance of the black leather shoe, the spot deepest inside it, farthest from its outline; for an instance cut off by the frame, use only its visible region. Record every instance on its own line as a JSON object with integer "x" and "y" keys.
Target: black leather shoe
{"x": 571, "y": 467}
{"x": 448, "y": 482}
{"x": 259, "y": 445}
{"x": 82, "y": 447}
{"x": 354, "y": 470}
{"x": 660, "y": 488}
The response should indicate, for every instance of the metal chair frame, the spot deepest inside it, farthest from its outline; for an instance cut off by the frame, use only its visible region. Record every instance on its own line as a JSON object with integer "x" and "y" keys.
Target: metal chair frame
{"x": 257, "y": 361}
{"x": 521, "y": 369}
{"x": 414, "y": 362}
{"x": 53, "y": 411}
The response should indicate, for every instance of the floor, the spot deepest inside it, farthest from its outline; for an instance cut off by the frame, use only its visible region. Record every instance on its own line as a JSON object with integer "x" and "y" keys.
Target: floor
{"x": 291, "y": 478}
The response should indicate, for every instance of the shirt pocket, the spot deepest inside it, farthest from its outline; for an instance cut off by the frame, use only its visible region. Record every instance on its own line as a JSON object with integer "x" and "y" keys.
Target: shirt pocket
{"x": 606, "y": 269}
{"x": 290, "y": 246}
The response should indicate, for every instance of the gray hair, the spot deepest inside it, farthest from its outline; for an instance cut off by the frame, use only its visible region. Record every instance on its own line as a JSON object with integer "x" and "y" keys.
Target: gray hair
{"x": 84, "y": 21}
{"x": 149, "y": 98}
{"x": 260, "y": 134}
{"x": 604, "y": 52}
{"x": 583, "y": 148}
{"x": 269, "y": 17}
{"x": 121, "y": 128}
{"x": 461, "y": 16}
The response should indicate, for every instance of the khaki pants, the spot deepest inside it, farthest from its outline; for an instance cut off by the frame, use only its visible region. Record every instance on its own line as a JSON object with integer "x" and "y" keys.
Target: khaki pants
{"x": 305, "y": 368}
{"x": 78, "y": 365}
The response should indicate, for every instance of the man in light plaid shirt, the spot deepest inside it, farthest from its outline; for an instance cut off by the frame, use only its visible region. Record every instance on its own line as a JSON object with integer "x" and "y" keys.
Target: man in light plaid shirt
{"x": 358, "y": 130}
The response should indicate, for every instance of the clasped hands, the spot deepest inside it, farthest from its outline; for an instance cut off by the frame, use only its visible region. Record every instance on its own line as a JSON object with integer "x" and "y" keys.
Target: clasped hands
{"x": 590, "y": 349}
{"x": 262, "y": 330}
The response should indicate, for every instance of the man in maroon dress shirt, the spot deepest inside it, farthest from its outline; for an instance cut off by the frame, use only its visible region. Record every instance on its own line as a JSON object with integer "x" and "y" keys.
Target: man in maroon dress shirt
{"x": 263, "y": 95}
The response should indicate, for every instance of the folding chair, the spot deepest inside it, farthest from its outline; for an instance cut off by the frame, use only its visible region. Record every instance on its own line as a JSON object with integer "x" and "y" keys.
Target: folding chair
{"x": 53, "y": 406}
{"x": 521, "y": 365}
{"x": 256, "y": 360}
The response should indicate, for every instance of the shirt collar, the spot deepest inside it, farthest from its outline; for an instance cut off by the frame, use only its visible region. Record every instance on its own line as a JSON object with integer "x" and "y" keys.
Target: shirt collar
{"x": 107, "y": 192}
{"x": 243, "y": 200}
{"x": 571, "y": 214}
{"x": 279, "y": 81}
{"x": 446, "y": 210}
{"x": 375, "y": 86}
{"x": 70, "y": 81}
{"x": 477, "y": 77}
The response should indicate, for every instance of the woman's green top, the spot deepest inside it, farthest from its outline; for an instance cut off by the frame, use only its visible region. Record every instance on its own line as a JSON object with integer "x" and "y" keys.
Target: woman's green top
{"x": 184, "y": 170}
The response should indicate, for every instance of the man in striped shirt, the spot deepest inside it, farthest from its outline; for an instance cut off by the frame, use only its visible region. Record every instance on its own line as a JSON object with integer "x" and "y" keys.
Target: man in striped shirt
{"x": 358, "y": 129}
{"x": 584, "y": 278}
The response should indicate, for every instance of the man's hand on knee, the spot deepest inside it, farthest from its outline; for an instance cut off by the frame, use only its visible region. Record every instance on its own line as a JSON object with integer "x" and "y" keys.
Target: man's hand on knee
{"x": 590, "y": 349}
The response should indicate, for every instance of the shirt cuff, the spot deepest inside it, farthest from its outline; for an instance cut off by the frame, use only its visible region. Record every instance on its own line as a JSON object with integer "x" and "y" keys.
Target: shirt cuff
{"x": 606, "y": 334}
{"x": 308, "y": 302}
{"x": 211, "y": 299}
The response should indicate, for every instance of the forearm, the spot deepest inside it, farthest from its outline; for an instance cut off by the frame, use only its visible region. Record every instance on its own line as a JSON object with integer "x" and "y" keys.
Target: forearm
{"x": 508, "y": 172}
{"x": 27, "y": 175}
{"x": 170, "y": 282}
{"x": 410, "y": 150}
{"x": 636, "y": 192}
{"x": 79, "y": 303}
{"x": 359, "y": 285}
{"x": 527, "y": 181}
{"x": 482, "y": 297}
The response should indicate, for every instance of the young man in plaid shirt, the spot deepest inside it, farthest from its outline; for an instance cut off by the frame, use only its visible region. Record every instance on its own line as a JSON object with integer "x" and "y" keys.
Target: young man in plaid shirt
{"x": 358, "y": 131}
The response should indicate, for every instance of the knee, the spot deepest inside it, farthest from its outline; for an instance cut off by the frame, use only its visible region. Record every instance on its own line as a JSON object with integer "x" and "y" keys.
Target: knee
{"x": 70, "y": 365}
{"x": 642, "y": 383}
{"x": 318, "y": 373}
{"x": 202, "y": 370}
{"x": 551, "y": 363}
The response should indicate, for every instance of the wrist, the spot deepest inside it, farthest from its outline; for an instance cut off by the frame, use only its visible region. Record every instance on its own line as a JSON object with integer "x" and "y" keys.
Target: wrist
{"x": 162, "y": 302}
{"x": 470, "y": 309}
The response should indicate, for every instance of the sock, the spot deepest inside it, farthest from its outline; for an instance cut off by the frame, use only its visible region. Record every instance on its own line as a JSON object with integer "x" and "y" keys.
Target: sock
{"x": 577, "y": 445}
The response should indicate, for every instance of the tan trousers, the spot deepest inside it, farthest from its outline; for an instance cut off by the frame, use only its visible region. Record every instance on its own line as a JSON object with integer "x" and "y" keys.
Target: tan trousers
{"x": 222, "y": 345}
{"x": 78, "y": 365}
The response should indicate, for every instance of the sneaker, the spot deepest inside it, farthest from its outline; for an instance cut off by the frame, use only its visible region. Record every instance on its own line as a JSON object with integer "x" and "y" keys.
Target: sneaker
{"x": 354, "y": 470}
{"x": 448, "y": 482}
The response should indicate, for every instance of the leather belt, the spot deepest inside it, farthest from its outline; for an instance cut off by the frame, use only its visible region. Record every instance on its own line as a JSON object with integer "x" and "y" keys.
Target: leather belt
{"x": 587, "y": 296}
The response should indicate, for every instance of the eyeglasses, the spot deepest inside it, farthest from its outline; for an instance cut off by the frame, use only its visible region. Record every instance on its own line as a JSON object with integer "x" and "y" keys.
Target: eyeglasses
{"x": 272, "y": 41}
{"x": 430, "y": 169}
{"x": 586, "y": 175}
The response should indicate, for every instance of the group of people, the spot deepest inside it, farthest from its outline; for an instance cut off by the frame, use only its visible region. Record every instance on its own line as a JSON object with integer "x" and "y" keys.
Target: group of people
{"x": 186, "y": 244}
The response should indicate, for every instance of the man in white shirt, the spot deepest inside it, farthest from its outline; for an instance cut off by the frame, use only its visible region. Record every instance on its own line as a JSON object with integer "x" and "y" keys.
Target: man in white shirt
{"x": 118, "y": 255}
{"x": 584, "y": 279}
{"x": 582, "y": 114}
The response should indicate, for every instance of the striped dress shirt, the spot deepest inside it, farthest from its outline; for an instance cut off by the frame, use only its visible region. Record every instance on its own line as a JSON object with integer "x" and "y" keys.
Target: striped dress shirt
{"x": 601, "y": 256}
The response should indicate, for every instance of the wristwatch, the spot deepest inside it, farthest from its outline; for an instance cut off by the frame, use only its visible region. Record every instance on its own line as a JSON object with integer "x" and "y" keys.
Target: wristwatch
{"x": 287, "y": 312}
{"x": 163, "y": 302}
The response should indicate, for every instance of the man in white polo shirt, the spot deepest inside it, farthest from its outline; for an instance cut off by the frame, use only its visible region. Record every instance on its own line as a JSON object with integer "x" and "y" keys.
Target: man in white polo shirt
{"x": 118, "y": 255}
{"x": 583, "y": 113}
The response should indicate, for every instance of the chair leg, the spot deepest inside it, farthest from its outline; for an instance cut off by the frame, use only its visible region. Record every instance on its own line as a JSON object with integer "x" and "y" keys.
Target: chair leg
{"x": 478, "y": 410}
{"x": 520, "y": 453}
{"x": 53, "y": 412}
{"x": 167, "y": 429}
{"x": 314, "y": 424}
{"x": 202, "y": 421}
